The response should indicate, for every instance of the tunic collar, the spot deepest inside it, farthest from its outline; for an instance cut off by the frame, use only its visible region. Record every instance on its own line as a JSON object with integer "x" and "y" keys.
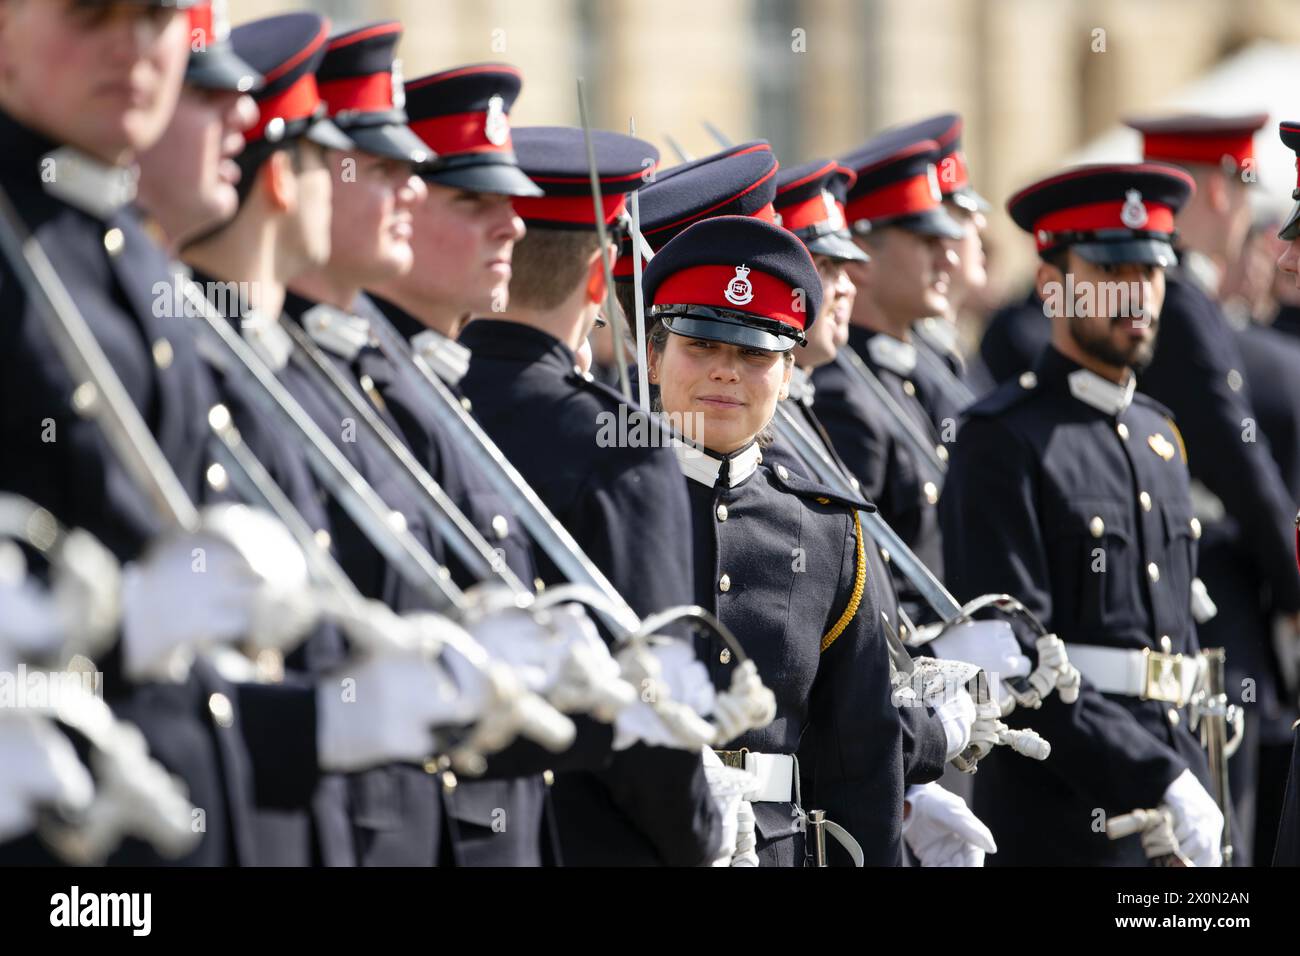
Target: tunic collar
{"x": 711, "y": 470}
{"x": 892, "y": 354}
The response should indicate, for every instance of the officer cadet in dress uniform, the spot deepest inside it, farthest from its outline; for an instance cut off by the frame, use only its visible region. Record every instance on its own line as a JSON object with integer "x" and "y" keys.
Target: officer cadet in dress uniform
{"x": 283, "y": 229}
{"x": 940, "y": 333}
{"x": 652, "y": 805}
{"x": 463, "y": 233}
{"x": 1040, "y": 504}
{"x": 726, "y": 295}
{"x": 65, "y": 168}
{"x": 897, "y": 195}
{"x": 365, "y": 99}
{"x": 1240, "y": 496}
{"x": 1287, "y": 852}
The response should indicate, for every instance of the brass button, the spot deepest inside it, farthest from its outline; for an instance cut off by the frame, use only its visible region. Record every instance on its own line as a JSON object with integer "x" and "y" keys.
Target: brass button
{"x": 1123, "y": 430}
{"x": 500, "y": 526}
{"x": 1195, "y": 525}
{"x": 1166, "y": 645}
{"x": 724, "y": 583}
{"x": 909, "y": 389}
{"x": 1153, "y": 571}
{"x": 725, "y": 656}
{"x": 448, "y": 780}
{"x": 323, "y": 539}
{"x": 931, "y": 492}
{"x": 1234, "y": 380}
{"x": 941, "y": 452}
{"x": 367, "y": 383}
{"x": 222, "y": 712}
{"x": 781, "y": 470}
{"x": 397, "y": 520}
{"x": 884, "y": 555}
{"x": 84, "y": 397}
{"x": 1028, "y": 380}
{"x": 1145, "y": 499}
{"x": 539, "y": 585}
{"x": 114, "y": 241}
{"x": 548, "y": 777}
{"x": 722, "y": 512}
{"x": 163, "y": 354}
{"x": 1174, "y": 716}
{"x": 1096, "y": 527}
{"x": 466, "y": 404}
{"x": 431, "y": 766}
{"x": 217, "y": 478}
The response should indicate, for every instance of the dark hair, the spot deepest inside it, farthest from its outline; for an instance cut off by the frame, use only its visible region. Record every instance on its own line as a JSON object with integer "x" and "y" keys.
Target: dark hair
{"x": 548, "y": 264}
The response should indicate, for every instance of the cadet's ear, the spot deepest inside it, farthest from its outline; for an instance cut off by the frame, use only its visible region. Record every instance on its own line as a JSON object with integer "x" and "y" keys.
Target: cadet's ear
{"x": 1216, "y": 191}
{"x": 1047, "y": 279}
{"x": 787, "y": 360}
{"x": 278, "y": 180}
{"x": 595, "y": 288}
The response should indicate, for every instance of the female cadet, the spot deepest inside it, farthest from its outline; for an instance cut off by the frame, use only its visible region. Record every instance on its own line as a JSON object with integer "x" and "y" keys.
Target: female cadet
{"x": 779, "y": 558}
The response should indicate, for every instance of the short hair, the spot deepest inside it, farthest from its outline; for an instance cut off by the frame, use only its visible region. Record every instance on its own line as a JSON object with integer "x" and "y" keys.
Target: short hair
{"x": 548, "y": 265}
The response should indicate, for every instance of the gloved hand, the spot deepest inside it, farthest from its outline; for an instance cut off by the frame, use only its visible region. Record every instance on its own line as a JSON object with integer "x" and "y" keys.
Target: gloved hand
{"x": 942, "y": 830}
{"x": 1054, "y": 672}
{"x": 1198, "y": 822}
{"x": 957, "y": 713}
{"x": 673, "y": 690}
{"x": 728, "y": 787}
{"x": 40, "y": 769}
{"x": 990, "y": 644}
{"x": 559, "y": 654}
{"x": 382, "y": 708}
{"x": 240, "y": 577}
{"x": 744, "y": 706}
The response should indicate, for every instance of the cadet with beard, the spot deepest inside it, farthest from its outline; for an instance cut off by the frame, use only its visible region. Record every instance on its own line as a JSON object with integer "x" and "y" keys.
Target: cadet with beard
{"x": 1070, "y": 491}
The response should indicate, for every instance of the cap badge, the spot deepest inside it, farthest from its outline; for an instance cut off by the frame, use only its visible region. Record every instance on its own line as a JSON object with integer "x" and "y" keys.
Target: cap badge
{"x": 1134, "y": 214}
{"x": 399, "y": 86}
{"x": 497, "y": 127}
{"x": 834, "y": 215}
{"x": 739, "y": 291}
{"x": 932, "y": 176}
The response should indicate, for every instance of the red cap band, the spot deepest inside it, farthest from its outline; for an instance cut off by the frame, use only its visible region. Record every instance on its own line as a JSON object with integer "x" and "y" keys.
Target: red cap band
{"x": 575, "y": 210}
{"x": 202, "y": 25}
{"x": 460, "y": 133}
{"x": 953, "y": 173}
{"x": 708, "y": 285}
{"x": 897, "y": 199}
{"x": 365, "y": 94}
{"x": 1101, "y": 215}
{"x": 811, "y": 212}
{"x": 1176, "y": 148}
{"x": 298, "y": 101}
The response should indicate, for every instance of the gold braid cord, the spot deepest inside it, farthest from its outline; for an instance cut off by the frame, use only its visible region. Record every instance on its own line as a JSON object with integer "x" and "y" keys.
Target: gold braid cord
{"x": 859, "y": 584}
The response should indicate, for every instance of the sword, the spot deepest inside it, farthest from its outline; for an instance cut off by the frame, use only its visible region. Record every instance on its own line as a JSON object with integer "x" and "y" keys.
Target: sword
{"x": 638, "y": 243}
{"x": 1213, "y": 713}
{"x": 682, "y": 155}
{"x": 899, "y": 423}
{"x": 615, "y": 315}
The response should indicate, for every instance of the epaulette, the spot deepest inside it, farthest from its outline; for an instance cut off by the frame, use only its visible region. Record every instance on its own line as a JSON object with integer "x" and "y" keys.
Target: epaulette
{"x": 816, "y": 491}
{"x": 1009, "y": 393}
{"x": 1141, "y": 398}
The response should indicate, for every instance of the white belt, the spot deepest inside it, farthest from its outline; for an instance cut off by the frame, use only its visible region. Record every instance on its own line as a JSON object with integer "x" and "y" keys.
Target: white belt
{"x": 775, "y": 774}
{"x": 1145, "y": 674}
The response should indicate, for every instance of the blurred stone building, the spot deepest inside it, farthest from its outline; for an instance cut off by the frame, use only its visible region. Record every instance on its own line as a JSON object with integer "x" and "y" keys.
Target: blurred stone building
{"x": 1035, "y": 79}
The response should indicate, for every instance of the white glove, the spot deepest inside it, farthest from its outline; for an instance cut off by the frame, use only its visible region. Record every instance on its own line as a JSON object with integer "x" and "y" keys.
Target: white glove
{"x": 40, "y": 769}
{"x": 560, "y": 655}
{"x": 1198, "y": 822}
{"x": 673, "y": 690}
{"x": 1054, "y": 672}
{"x": 942, "y": 830}
{"x": 744, "y": 706}
{"x": 728, "y": 787}
{"x": 957, "y": 713}
{"x": 382, "y": 709}
{"x": 990, "y": 644}
{"x": 241, "y": 577}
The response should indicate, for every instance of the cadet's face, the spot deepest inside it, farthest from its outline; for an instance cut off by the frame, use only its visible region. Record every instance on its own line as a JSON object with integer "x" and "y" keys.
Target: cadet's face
{"x": 315, "y": 197}
{"x": 1115, "y": 316}
{"x": 372, "y": 223}
{"x": 909, "y": 274}
{"x": 734, "y": 390}
{"x": 463, "y": 243}
{"x": 970, "y": 272}
{"x": 1289, "y": 263}
{"x": 831, "y": 330}
{"x": 102, "y": 78}
{"x": 188, "y": 180}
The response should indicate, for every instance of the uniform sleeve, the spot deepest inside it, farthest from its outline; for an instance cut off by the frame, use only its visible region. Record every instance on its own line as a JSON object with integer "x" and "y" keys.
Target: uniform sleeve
{"x": 992, "y": 544}
{"x": 1190, "y": 375}
{"x": 855, "y": 740}
{"x": 925, "y": 745}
